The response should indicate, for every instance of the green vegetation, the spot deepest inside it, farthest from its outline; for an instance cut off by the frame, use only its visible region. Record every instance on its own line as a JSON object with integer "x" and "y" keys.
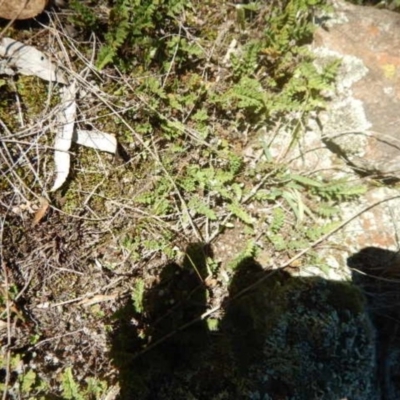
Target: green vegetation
{"x": 33, "y": 386}
{"x": 187, "y": 88}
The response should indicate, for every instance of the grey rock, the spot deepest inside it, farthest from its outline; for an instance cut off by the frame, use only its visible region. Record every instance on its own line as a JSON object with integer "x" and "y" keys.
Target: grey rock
{"x": 290, "y": 338}
{"x": 362, "y": 123}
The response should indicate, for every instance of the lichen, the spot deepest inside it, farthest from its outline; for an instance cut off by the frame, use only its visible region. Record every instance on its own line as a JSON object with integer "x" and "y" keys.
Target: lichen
{"x": 288, "y": 338}
{"x": 314, "y": 339}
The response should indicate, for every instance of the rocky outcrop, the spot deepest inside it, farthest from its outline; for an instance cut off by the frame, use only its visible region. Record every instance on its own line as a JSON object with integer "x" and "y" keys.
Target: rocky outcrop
{"x": 288, "y": 338}
{"x": 356, "y": 137}
{"x": 362, "y": 123}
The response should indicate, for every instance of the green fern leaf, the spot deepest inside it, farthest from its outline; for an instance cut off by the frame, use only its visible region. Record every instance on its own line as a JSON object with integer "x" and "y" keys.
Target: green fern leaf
{"x": 237, "y": 210}
{"x": 70, "y": 388}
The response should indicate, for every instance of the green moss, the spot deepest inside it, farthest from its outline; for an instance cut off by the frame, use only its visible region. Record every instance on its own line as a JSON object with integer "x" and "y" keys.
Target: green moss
{"x": 33, "y": 97}
{"x": 345, "y": 296}
{"x": 310, "y": 336}
{"x": 287, "y": 338}
{"x": 32, "y": 101}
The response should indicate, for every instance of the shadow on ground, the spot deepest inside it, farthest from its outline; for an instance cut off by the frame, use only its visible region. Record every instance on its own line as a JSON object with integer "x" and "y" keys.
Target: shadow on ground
{"x": 285, "y": 338}
{"x": 377, "y": 272}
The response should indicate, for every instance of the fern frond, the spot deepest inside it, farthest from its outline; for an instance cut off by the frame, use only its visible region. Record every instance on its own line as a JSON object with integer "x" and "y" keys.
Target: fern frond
{"x": 236, "y": 209}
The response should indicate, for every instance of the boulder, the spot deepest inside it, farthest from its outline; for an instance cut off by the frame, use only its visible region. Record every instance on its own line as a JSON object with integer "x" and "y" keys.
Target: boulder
{"x": 362, "y": 123}
{"x": 287, "y": 338}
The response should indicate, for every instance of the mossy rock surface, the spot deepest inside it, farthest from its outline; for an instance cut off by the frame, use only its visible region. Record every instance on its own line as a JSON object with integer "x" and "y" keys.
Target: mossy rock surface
{"x": 288, "y": 338}
{"x": 303, "y": 339}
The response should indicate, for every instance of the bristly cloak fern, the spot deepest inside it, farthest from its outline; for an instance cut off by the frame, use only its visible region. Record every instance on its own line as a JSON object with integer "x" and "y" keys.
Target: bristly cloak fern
{"x": 119, "y": 30}
{"x": 137, "y": 24}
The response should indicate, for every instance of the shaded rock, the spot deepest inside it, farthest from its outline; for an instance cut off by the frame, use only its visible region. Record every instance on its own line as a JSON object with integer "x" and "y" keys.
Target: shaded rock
{"x": 301, "y": 338}
{"x": 287, "y": 338}
{"x": 377, "y": 272}
{"x": 362, "y": 123}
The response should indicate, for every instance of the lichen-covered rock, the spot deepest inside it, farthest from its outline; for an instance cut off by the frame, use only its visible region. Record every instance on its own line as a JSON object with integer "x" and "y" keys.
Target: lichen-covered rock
{"x": 288, "y": 338}
{"x": 315, "y": 340}
{"x": 376, "y": 271}
{"x": 361, "y": 122}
